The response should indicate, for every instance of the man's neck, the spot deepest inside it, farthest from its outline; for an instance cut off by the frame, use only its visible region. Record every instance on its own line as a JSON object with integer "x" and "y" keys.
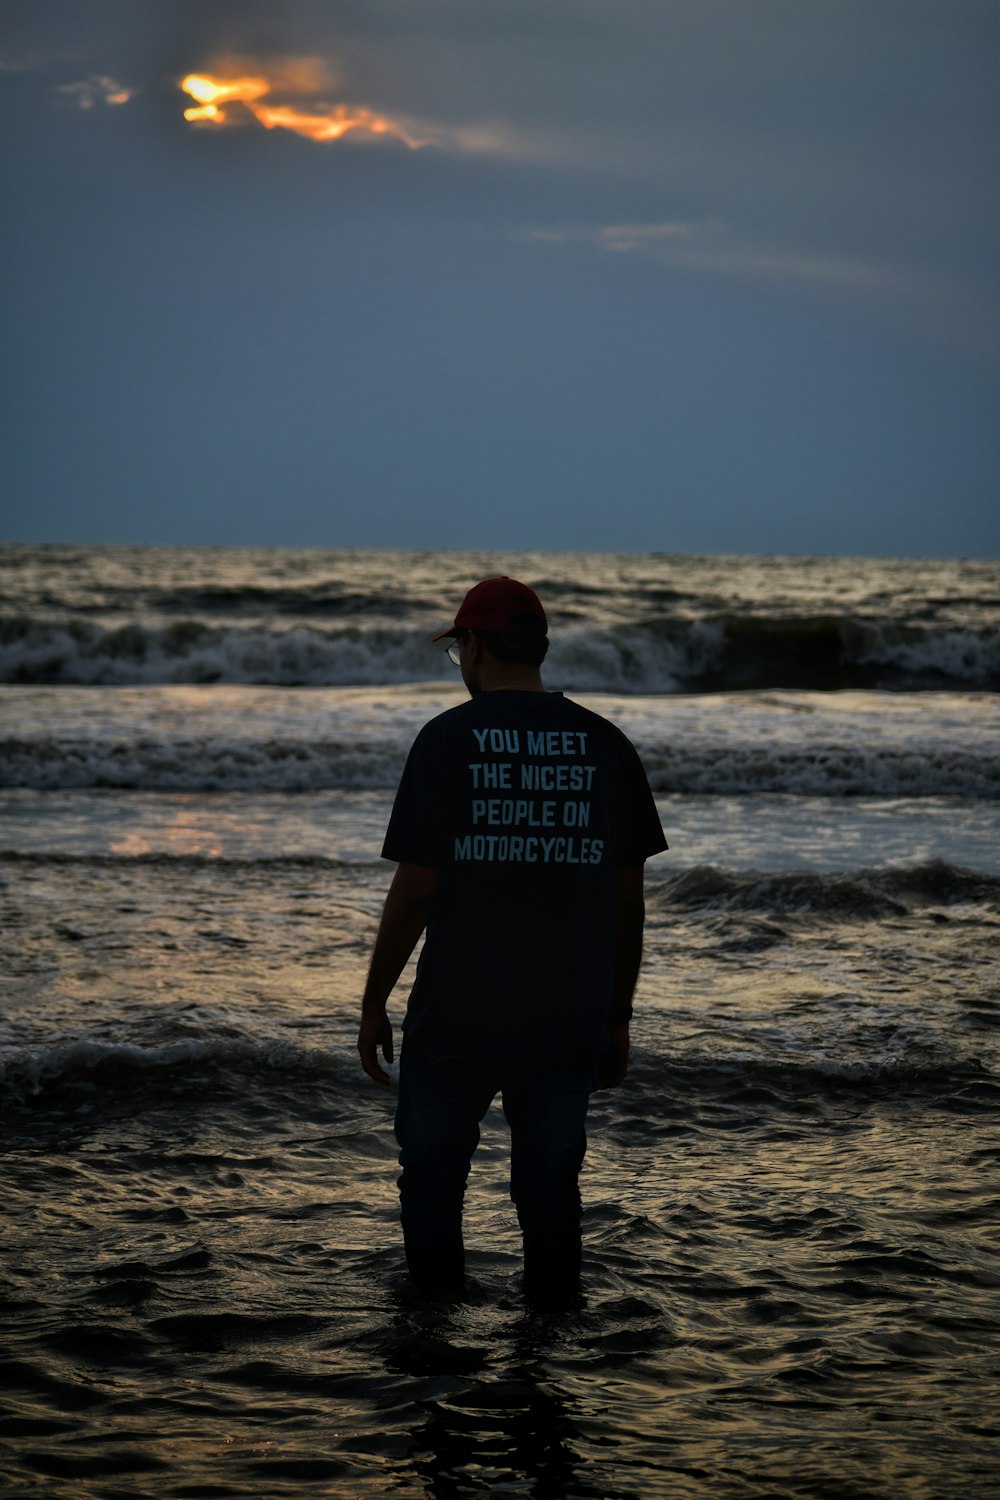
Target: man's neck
{"x": 509, "y": 677}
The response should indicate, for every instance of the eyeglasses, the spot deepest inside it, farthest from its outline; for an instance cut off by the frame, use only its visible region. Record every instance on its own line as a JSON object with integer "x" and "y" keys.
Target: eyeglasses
{"x": 454, "y": 652}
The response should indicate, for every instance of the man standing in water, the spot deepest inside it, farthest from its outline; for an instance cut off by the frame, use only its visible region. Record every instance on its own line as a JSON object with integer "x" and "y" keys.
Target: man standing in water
{"x": 520, "y": 829}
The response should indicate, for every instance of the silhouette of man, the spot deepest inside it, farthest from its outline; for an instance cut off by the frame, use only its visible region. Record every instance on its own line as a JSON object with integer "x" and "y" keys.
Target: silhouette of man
{"x": 519, "y": 829}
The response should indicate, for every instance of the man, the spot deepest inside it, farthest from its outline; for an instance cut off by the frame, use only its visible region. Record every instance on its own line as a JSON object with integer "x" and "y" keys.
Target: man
{"x": 520, "y": 829}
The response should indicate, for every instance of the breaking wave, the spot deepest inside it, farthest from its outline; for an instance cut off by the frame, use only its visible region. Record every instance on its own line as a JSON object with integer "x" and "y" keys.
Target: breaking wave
{"x": 713, "y": 654}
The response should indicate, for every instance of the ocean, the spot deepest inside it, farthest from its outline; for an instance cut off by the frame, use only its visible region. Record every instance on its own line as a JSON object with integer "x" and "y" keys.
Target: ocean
{"x": 791, "y": 1258}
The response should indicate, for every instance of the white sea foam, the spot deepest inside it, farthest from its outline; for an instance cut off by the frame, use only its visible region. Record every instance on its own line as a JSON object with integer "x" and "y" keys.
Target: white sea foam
{"x": 956, "y": 655}
{"x": 829, "y": 771}
{"x": 189, "y": 765}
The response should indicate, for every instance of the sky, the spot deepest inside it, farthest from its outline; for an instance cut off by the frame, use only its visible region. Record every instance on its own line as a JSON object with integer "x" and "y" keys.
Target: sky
{"x": 626, "y": 275}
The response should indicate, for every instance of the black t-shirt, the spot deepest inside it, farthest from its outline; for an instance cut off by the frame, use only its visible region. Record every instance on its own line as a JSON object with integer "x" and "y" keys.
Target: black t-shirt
{"x": 528, "y": 804}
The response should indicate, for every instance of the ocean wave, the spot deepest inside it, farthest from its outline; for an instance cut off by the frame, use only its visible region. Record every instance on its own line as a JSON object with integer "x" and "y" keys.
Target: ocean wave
{"x": 865, "y": 894}
{"x": 97, "y": 1075}
{"x": 27, "y": 1072}
{"x": 188, "y": 650}
{"x": 199, "y": 765}
{"x": 740, "y": 1077}
{"x": 662, "y": 655}
{"x": 832, "y": 652}
{"x": 193, "y": 764}
{"x": 702, "y": 890}
{"x": 326, "y": 599}
{"x": 822, "y": 771}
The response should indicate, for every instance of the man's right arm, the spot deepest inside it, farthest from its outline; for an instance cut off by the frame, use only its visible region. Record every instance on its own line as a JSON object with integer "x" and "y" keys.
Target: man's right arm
{"x": 404, "y": 918}
{"x": 629, "y": 919}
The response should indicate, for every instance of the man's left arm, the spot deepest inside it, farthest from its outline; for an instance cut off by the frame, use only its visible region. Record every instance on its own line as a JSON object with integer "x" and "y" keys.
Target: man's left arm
{"x": 629, "y": 920}
{"x": 404, "y": 918}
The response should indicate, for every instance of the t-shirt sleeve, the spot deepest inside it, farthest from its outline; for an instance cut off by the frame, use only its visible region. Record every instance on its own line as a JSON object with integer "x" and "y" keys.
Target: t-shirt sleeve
{"x": 420, "y": 824}
{"x": 639, "y": 834}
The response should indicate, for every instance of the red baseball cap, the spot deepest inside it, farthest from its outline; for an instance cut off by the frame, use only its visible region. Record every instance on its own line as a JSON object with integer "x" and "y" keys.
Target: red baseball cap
{"x": 500, "y": 604}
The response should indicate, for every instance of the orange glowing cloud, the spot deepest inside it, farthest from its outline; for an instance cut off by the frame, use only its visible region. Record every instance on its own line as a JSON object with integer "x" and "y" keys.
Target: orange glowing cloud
{"x": 215, "y": 94}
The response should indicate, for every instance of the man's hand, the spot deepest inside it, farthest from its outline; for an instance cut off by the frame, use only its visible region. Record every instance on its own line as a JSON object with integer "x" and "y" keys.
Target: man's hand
{"x": 404, "y": 917}
{"x": 376, "y": 1031}
{"x": 614, "y": 1064}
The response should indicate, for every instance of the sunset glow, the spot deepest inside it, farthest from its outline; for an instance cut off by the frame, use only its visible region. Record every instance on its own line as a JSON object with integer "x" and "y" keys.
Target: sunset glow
{"x": 322, "y": 122}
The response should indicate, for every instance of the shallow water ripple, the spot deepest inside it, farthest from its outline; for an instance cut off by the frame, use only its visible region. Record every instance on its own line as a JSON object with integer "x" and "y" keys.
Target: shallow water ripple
{"x": 238, "y": 1324}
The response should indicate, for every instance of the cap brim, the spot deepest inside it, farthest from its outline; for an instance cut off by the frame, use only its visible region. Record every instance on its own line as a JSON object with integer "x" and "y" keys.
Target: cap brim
{"x": 450, "y": 631}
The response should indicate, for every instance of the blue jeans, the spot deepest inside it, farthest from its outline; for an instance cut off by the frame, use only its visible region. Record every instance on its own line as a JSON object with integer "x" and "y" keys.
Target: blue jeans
{"x": 441, "y": 1104}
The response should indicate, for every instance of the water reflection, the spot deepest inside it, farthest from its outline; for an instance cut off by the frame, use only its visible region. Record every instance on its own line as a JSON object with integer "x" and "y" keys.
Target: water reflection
{"x": 512, "y": 1432}
{"x": 189, "y": 826}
